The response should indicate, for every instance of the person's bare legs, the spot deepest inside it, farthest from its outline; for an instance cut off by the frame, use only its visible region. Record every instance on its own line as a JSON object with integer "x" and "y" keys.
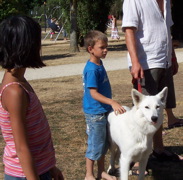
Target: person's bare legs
{"x": 171, "y": 117}
{"x": 89, "y": 169}
{"x": 101, "y": 166}
{"x": 101, "y": 170}
{"x": 135, "y": 171}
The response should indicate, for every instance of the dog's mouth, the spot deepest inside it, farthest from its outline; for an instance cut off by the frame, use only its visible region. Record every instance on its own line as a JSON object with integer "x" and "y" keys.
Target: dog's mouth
{"x": 154, "y": 119}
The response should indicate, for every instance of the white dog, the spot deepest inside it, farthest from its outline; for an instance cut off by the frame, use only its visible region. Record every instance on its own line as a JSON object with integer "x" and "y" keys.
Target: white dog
{"x": 133, "y": 131}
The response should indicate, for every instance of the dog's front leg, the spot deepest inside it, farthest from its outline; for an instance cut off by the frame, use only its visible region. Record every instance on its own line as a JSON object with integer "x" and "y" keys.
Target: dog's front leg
{"x": 142, "y": 167}
{"x": 124, "y": 167}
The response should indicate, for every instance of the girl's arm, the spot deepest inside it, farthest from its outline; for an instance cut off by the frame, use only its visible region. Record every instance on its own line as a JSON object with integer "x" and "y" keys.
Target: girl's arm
{"x": 99, "y": 97}
{"x": 15, "y": 101}
{"x": 56, "y": 173}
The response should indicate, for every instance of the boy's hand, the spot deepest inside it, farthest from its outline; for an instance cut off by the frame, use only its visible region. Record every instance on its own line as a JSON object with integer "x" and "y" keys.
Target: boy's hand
{"x": 118, "y": 109}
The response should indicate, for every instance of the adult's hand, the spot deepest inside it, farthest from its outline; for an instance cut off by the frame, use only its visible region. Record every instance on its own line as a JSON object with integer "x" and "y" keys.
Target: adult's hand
{"x": 175, "y": 66}
{"x": 137, "y": 71}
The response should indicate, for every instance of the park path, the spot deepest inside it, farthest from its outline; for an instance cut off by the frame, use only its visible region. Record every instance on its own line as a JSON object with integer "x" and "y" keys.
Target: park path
{"x": 77, "y": 69}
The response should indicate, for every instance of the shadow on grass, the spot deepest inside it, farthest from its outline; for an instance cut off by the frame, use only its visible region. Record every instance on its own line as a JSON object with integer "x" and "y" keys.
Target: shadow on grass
{"x": 167, "y": 170}
{"x": 57, "y": 56}
{"x": 53, "y": 42}
{"x": 161, "y": 170}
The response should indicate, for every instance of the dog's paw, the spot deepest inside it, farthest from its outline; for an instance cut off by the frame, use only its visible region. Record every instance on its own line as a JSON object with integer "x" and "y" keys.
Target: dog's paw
{"x": 114, "y": 172}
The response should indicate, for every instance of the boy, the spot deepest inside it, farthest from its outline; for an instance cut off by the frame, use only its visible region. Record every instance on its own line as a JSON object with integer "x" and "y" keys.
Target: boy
{"x": 97, "y": 103}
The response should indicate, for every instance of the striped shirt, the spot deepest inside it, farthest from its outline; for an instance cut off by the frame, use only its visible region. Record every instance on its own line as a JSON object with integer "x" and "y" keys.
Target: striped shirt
{"x": 39, "y": 137}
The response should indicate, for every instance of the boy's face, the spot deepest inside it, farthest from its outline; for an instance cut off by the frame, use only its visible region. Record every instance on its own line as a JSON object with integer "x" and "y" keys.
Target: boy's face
{"x": 99, "y": 50}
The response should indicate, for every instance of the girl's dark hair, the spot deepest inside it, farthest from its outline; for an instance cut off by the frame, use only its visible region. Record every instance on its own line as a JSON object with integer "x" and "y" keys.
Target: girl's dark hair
{"x": 92, "y": 37}
{"x": 20, "y": 43}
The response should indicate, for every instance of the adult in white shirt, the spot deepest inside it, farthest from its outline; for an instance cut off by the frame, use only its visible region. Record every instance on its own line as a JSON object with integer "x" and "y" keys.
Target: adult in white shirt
{"x": 146, "y": 24}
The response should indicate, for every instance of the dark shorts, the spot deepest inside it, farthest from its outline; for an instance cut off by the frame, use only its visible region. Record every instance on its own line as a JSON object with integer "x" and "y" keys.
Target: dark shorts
{"x": 155, "y": 80}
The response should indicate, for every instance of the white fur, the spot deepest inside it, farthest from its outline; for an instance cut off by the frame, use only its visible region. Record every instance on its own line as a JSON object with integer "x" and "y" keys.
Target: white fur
{"x": 133, "y": 131}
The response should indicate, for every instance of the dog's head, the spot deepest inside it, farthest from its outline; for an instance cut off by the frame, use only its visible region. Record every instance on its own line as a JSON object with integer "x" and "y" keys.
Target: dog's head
{"x": 150, "y": 108}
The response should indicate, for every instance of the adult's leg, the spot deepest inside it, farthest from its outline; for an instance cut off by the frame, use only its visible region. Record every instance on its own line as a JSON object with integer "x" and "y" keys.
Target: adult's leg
{"x": 173, "y": 121}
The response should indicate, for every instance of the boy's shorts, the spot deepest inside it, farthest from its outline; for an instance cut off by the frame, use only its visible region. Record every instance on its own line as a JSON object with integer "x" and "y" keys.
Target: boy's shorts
{"x": 97, "y": 135}
{"x": 155, "y": 80}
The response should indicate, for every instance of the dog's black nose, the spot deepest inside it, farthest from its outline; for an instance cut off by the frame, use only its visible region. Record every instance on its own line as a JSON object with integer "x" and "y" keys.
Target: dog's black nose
{"x": 154, "y": 118}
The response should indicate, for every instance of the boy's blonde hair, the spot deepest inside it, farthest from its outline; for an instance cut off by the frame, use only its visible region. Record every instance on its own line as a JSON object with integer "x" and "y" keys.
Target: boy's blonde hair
{"x": 92, "y": 37}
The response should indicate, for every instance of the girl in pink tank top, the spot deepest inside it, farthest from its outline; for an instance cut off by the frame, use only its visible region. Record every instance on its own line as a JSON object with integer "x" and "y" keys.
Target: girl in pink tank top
{"x": 29, "y": 152}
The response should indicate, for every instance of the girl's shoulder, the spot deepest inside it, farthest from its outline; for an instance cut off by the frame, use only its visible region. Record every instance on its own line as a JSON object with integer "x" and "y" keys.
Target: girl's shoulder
{"x": 12, "y": 95}
{"x": 12, "y": 86}
{"x": 13, "y": 89}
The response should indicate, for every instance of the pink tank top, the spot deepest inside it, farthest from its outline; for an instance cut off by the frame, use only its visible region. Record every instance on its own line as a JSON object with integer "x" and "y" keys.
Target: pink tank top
{"x": 39, "y": 137}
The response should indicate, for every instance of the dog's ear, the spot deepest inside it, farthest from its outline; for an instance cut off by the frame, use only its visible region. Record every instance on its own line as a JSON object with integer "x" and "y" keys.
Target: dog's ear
{"x": 136, "y": 96}
{"x": 163, "y": 95}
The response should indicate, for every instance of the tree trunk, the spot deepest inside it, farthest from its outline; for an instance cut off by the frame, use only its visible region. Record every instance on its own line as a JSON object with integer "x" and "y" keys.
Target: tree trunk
{"x": 73, "y": 34}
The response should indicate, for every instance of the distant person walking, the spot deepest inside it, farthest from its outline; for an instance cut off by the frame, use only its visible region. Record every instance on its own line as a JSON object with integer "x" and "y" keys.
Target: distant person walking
{"x": 114, "y": 29}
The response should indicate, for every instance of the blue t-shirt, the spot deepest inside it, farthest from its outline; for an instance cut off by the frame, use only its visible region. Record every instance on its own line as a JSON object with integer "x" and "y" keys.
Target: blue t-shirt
{"x": 95, "y": 76}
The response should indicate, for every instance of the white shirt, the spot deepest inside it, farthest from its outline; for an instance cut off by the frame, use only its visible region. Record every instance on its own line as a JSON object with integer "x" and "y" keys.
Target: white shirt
{"x": 154, "y": 46}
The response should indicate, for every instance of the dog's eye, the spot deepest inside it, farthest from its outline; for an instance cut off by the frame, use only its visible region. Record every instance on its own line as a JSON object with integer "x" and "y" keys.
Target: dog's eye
{"x": 157, "y": 107}
{"x": 146, "y": 107}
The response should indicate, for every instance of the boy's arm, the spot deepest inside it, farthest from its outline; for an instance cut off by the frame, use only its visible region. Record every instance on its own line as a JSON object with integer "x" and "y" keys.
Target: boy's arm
{"x": 99, "y": 97}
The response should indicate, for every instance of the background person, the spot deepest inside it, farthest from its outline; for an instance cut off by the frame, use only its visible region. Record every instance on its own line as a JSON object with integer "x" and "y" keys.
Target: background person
{"x": 114, "y": 28}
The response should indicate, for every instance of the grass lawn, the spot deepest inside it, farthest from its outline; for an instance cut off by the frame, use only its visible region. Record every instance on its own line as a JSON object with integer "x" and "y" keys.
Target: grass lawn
{"x": 62, "y": 101}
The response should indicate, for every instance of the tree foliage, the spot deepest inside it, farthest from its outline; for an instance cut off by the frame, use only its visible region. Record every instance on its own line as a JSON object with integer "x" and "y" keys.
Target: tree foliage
{"x": 89, "y": 14}
{"x": 92, "y": 14}
{"x": 116, "y": 9}
{"x": 63, "y": 7}
{"x": 12, "y": 7}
